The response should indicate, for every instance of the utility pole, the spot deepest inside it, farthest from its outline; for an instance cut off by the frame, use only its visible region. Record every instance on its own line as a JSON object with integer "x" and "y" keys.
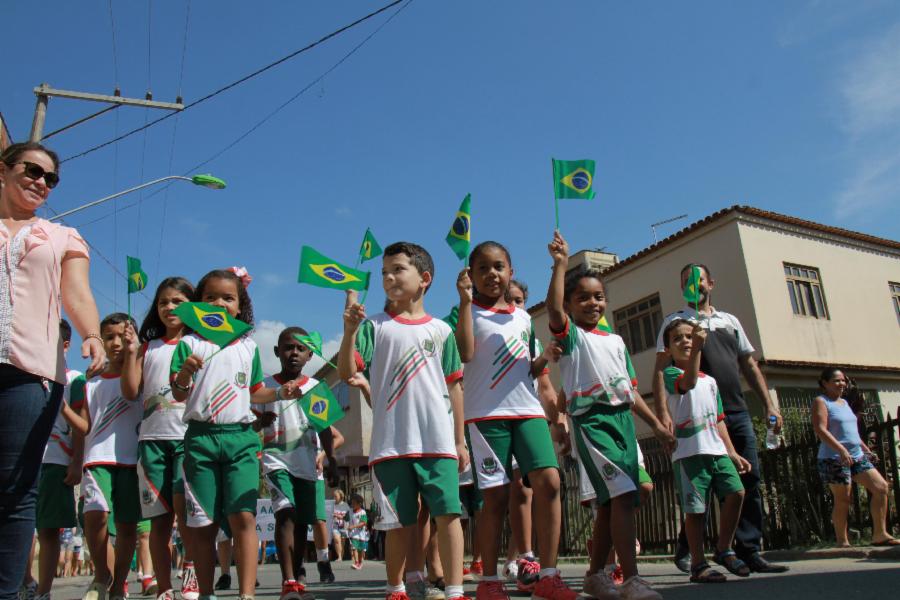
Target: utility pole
{"x": 44, "y": 92}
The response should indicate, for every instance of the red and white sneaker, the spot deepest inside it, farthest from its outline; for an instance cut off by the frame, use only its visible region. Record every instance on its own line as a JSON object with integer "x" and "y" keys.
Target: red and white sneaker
{"x": 190, "y": 589}
{"x": 477, "y": 568}
{"x": 397, "y": 596}
{"x": 528, "y": 574}
{"x": 491, "y": 590}
{"x": 166, "y": 595}
{"x": 149, "y": 587}
{"x": 553, "y": 588}
{"x": 467, "y": 574}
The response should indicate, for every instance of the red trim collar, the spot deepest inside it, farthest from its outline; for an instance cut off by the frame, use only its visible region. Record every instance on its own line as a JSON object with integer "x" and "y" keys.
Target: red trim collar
{"x": 301, "y": 381}
{"x": 169, "y": 342}
{"x": 406, "y": 321}
{"x": 510, "y": 308}
{"x": 110, "y": 376}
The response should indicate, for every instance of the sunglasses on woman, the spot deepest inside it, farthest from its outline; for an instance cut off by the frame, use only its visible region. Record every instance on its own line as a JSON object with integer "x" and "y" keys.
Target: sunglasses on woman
{"x": 35, "y": 171}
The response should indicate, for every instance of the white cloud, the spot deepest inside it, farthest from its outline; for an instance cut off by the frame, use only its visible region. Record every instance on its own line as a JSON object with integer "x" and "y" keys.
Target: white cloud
{"x": 869, "y": 90}
{"x": 343, "y": 211}
{"x": 265, "y": 334}
{"x": 273, "y": 279}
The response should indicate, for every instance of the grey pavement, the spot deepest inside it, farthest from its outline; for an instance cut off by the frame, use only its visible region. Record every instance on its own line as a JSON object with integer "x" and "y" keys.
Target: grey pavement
{"x": 838, "y": 578}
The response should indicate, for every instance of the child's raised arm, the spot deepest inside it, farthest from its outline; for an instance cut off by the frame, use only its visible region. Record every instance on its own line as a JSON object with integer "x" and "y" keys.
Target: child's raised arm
{"x": 559, "y": 251}
{"x": 133, "y": 365}
{"x": 354, "y": 315}
{"x": 465, "y": 336}
{"x": 689, "y": 379}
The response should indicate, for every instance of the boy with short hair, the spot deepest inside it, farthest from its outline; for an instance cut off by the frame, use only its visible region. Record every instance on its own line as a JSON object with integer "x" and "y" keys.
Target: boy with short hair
{"x": 417, "y": 446}
{"x": 60, "y": 472}
{"x": 704, "y": 458}
{"x": 292, "y": 465}
{"x": 110, "y": 484}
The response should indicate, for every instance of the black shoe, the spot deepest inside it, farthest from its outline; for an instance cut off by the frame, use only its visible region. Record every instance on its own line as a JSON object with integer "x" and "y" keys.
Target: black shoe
{"x": 326, "y": 575}
{"x": 758, "y": 564}
{"x": 302, "y": 577}
{"x": 438, "y": 583}
{"x": 683, "y": 558}
{"x": 224, "y": 582}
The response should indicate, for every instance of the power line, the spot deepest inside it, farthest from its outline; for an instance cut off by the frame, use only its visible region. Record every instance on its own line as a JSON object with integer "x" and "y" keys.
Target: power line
{"x": 239, "y": 81}
{"x": 259, "y": 123}
{"x": 112, "y": 23}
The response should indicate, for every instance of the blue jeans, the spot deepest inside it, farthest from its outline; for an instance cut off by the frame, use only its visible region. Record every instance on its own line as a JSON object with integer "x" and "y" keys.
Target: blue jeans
{"x": 29, "y": 407}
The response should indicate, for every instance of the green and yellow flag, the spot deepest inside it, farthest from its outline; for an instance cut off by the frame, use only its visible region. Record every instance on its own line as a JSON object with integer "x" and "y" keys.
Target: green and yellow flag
{"x": 369, "y": 248}
{"x": 573, "y": 179}
{"x": 312, "y": 340}
{"x": 321, "y": 407}
{"x": 212, "y": 323}
{"x": 460, "y": 237}
{"x": 319, "y": 270}
{"x": 603, "y": 325}
{"x": 137, "y": 278}
{"x": 691, "y": 290}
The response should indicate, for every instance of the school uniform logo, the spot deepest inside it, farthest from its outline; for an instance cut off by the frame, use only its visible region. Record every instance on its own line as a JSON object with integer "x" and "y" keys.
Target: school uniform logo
{"x": 489, "y": 466}
{"x": 146, "y": 497}
{"x": 428, "y": 347}
{"x": 240, "y": 379}
{"x": 609, "y": 472}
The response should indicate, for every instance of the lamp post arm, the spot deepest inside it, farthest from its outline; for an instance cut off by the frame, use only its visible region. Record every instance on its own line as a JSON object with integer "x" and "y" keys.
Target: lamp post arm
{"x": 114, "y": 196}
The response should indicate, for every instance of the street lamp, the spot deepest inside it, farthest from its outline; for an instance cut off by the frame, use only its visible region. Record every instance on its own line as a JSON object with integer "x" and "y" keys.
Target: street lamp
{"x": 207, "y": 181}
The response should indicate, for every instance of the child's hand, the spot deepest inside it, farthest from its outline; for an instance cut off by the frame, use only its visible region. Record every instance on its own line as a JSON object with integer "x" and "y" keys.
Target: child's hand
{"x": 192, "y": 365}
{"x": 354, "y": 312}
{"x": 698, "y": 337}
{"x": 73, "y": 474}
{"x": 553, "y": 352}
{"x": 131, "y": 340}
{"x": 290, "y": 390}
{"x": 665, "y": 436}
{"x": 358, "y": 380}
{"x": 740, "y": 463}
{"x": 463, "y": 453}
{"x": 464, "y": 286}
{"x": 559, "y": 249}
{"x": 320, "y": 462}
{"x": 560, "y": 435}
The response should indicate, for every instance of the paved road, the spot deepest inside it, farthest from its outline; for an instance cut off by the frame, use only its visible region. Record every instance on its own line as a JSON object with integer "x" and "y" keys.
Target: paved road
{"x": 841, "y": 579}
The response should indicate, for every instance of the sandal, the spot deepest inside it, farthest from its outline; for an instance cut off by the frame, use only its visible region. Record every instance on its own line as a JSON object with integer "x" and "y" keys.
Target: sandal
{"x": 729, "y": 560}
{"x": 887, "y": 542}
{"x": 703, "y": 573}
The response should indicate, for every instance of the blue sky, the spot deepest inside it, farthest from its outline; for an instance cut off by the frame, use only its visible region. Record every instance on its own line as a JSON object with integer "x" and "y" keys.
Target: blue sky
{"x": 686, "y": 107}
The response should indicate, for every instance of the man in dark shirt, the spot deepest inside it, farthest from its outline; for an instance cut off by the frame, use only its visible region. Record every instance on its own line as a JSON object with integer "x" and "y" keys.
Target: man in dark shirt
{"x": 726, "y": 355}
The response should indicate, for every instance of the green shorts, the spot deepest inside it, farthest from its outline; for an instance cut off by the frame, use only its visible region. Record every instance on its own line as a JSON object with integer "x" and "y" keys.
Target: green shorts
{"x": 159, "y": 475}
{"x": 401, "y": 481}
{"x": 699, "y": 475}
{"x": 112, "y": 489}
{"x": 607, "y": 448}
{"x": 496, "y": 441}
{"x": 143, "y": 526}
{"x": 55, "y": 500}
{"x": 221, "y": 472}
{"x": 359, "y": 545}
{"x": 643, "y": 476}
{"x": 305, "y": 497}
{"x": 471, "y": 500}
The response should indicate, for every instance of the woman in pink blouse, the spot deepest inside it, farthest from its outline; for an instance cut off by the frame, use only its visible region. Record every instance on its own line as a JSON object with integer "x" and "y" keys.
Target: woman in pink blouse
{"x": 43, "y": 269}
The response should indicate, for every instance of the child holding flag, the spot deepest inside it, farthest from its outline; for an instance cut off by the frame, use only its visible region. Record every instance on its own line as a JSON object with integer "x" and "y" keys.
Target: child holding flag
{"x": 145, "y": 374}
{"x": 504, "y": 416}
{"x": 417, "y": 447}
{"x": 600, "y": 382}
{"x": 292, "y": 464}
{"x": 110, "y": 423}
{"x": 217, "y": 371}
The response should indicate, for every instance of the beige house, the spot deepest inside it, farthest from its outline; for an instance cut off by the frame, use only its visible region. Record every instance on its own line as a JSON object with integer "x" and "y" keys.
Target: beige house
{"x": 808, "y": 296}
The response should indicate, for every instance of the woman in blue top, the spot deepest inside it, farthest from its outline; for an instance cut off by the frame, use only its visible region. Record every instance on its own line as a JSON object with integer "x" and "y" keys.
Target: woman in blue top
{"x": 843, "y": 455}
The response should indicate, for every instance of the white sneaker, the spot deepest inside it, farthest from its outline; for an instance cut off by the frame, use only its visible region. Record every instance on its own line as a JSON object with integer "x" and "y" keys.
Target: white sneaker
{"x": 42, "y": 596}
{"x": 27, "y": 591}
{"x": 166, "y": 595}
{"x": 95, "y": 591}
{"x": 636, "y": 588}
{"x": 600, "y": 586}
{"x": 190, "y": 590}
{"x": 511, "y": 570}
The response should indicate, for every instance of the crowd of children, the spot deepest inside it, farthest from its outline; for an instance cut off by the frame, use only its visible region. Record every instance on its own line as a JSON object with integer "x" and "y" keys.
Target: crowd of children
{"x": 170, "y": 433}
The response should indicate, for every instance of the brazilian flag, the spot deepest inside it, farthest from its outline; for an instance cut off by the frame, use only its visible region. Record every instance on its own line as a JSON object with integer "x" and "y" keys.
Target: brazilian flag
{"x": 137, "y": 278}
{"x": 212, "y": 323}
{"x": 321, "y": 407}
{"x": 460, "y": 237}
{"x": 369, "y": 248}
{"x": 603, "y": 325}
{"x": 319, "y": 270}
{"x": 573, "y": 179}
{"x": 312, "y": 340}
{"x": 691, "y": 290}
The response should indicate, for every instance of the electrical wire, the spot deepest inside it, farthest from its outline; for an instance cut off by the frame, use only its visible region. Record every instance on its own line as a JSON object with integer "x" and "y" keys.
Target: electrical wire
{"x": 239, "y": 81}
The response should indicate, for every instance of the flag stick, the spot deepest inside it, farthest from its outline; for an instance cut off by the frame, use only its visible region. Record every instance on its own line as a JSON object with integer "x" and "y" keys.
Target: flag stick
{"x": 556, "y": 204}
{"x": 129, "y": 305}
{"x": 363, "y": 299}
{"x": 555, "y": 199}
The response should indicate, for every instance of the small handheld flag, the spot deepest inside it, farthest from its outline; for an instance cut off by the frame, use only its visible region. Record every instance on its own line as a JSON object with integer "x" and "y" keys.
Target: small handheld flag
{"x": 572, "y": 179}
{"x": 137, "y": 278}
{"x": 603, "y": 325}
{"x": 321, "y": 407}
{"x": 319, "y": 270}
{"x": 211, "y": 323}
{"x": 691, "y": 290}
{"x": 313, "y": 341}
{"x": 460, "y": 237}
{"x": 369, "y": 248}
